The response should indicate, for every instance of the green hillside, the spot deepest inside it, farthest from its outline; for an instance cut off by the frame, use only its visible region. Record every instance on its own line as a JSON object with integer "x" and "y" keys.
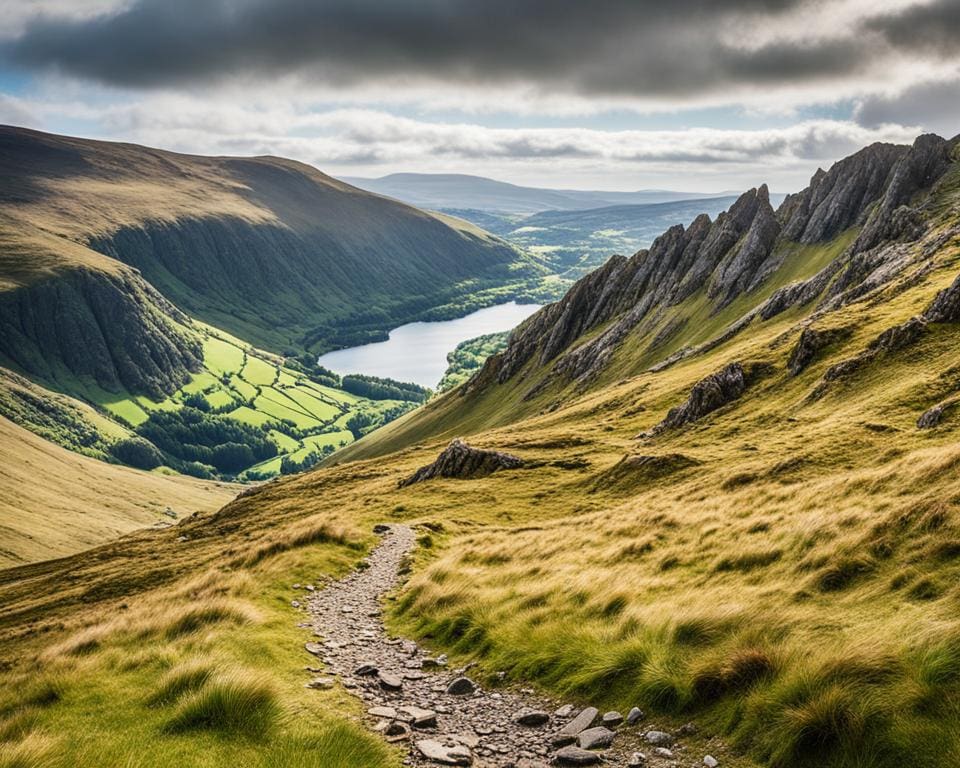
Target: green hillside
{"x": 268, "y": 249}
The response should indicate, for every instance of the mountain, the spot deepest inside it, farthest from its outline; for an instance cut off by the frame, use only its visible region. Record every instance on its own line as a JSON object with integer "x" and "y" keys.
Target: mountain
{"x": 271, "y": 250}
{"x": 716, "y": 481}
{"x": 733, "y": 501}
{"x": 452, "y": 191}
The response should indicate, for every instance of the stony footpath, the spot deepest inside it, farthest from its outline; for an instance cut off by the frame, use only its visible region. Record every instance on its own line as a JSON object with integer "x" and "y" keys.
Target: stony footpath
{"x": 443, "y": 716}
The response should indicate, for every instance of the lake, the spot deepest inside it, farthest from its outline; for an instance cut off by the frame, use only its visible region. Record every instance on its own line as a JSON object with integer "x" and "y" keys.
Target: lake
{"x": 417, "y": 352}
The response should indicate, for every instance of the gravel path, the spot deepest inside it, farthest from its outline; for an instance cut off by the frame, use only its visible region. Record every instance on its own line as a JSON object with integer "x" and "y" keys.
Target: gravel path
{"x": 410, "y": 696}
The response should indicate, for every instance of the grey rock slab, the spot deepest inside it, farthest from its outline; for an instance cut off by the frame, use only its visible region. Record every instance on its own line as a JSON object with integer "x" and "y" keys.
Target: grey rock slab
{"x": 710, "y": 761}
{"x": 388, "y": 712}
{"x": 453, "y": 754}
{"x": 663, "y": 752}
{"x": 567, "y": 710}
{"x": 418, "y": 717}
{"x": 320, "y": 683}
{"x": 595, "y": 738}
{"x": 637, "y": 759}
{"x": 580, "y": 723}
{"x": 576, "y": 756}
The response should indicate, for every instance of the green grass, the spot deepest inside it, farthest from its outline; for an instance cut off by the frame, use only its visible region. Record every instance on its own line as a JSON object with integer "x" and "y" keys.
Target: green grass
{"x": 221, "y": 356}
{"x": 248, "y": 415}
{"x": 272, "y": 403}
{"x": 151, "y": 695}
{"x": 219, "y": 399}
{"x": 284, "y": 442}
{"x": 246, "y": 390}
{"x": 200, "y": 382}
{"x": 258, "y": 371}
{"x": 311, "y": 404}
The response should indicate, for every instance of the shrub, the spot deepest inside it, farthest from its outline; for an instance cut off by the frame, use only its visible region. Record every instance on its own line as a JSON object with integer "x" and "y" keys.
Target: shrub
{"x": 137, "y": 452}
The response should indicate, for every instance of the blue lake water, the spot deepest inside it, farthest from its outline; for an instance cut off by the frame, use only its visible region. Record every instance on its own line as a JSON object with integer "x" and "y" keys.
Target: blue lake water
{"x": 417, "y": 352}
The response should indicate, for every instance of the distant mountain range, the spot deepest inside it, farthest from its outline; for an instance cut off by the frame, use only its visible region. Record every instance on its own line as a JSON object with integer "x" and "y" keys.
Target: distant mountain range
{"x": 443, "y": 191}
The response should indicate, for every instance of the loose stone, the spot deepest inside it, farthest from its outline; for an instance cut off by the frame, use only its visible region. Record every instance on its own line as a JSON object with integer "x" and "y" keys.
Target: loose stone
{"x": 596, "y": 738}
{"x": 461, "y": 686}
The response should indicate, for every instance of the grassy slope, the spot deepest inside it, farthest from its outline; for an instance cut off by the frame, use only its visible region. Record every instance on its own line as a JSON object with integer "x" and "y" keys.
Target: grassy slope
{"x": 305, "y": 250}
{"x": 55, "y": 502}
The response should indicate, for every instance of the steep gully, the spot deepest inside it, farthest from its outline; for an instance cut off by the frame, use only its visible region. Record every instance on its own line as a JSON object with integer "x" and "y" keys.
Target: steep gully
{"x": 441, "y": 715}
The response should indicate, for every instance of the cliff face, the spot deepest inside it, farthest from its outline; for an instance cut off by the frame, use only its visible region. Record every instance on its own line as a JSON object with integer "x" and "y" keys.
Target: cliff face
{"x": 881, "y": 189}
{"x": 113, "y": 328}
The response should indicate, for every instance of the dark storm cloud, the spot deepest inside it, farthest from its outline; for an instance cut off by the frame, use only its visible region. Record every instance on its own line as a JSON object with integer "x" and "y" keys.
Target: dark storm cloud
{"x": 923, "y": 27}
{"x": 628, "y": 47}
{"x": 935, "y": 106}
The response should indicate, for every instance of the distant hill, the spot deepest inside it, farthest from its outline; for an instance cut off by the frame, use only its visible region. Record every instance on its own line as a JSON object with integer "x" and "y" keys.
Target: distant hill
{"x": 575, "y": 242}
{"x": 442, "y": 191}
{"x": 272, "y": 250}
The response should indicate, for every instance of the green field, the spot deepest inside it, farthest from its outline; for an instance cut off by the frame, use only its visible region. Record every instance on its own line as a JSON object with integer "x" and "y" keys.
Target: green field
{"x": 303, "y": 418}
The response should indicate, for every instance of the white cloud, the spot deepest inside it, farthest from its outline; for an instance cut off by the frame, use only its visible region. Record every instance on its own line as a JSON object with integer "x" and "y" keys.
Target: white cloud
{"x": 368, "y": 142}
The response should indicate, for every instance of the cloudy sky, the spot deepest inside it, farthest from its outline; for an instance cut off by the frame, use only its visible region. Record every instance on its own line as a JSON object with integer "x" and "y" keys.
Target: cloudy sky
{"x": 702, "y": 95}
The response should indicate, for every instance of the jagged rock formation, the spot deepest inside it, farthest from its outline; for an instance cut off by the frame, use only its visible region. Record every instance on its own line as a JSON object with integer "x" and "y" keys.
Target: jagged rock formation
{"x": 112, "y": 327}
{"x": 933, "y": 416}
{"x": 945, "y": 308}
{"x": 707, "y": 395}
{"x": 810, "y": 344}
{"x": 839, "y": 198}
{"x": 874, "y": 189}
{"x": 459, "y": 460}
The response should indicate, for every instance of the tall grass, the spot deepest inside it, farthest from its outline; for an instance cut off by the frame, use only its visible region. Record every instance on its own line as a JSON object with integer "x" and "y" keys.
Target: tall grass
{"x": 239, "y": 702}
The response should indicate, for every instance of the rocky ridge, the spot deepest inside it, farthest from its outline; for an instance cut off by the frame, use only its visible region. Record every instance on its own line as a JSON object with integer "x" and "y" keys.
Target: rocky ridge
{"x": 879, "y": 189}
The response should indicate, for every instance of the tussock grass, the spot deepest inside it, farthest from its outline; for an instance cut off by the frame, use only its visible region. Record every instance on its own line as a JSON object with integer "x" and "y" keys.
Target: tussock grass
{"x": 183, "y": 679}
{"x": 302, "y": 536}
{"x": 192, "y": 618}
{"x": 239, "y": 702}
{"x": 34, "y": 751}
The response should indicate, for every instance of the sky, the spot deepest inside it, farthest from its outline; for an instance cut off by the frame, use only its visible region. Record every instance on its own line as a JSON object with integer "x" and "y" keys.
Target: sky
{"x": 692, "y": 95}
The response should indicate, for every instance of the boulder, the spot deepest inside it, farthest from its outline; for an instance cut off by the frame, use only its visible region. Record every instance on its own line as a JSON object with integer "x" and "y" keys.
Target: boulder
{"x": 611, "y": 719}
{"x": 945, "y": 308}
{"x": 810, "y": 344}
{"x": 532, "y": 718}
{"x": 634, "y": 716}
{"x": 658, "y": 738}
{"x": 459, "y": 460}
{"x": 389, "y": 682}
{"x": 707, "y": 395}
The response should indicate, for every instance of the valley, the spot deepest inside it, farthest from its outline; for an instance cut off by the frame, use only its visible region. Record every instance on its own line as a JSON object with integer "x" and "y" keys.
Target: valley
{"x": 712, "y": 482}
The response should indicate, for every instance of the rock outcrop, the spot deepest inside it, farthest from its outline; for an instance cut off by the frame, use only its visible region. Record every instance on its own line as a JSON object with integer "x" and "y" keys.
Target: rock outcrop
{"x": 933, "y": 416}
{"x": 881, "y": 189}
{"x": 811, "y": 342}
{"x": 945, "y": 307}
{"x": 839, "y": 198}
{"x": 459, "y": 460}
{"x": 715, "y": 391}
